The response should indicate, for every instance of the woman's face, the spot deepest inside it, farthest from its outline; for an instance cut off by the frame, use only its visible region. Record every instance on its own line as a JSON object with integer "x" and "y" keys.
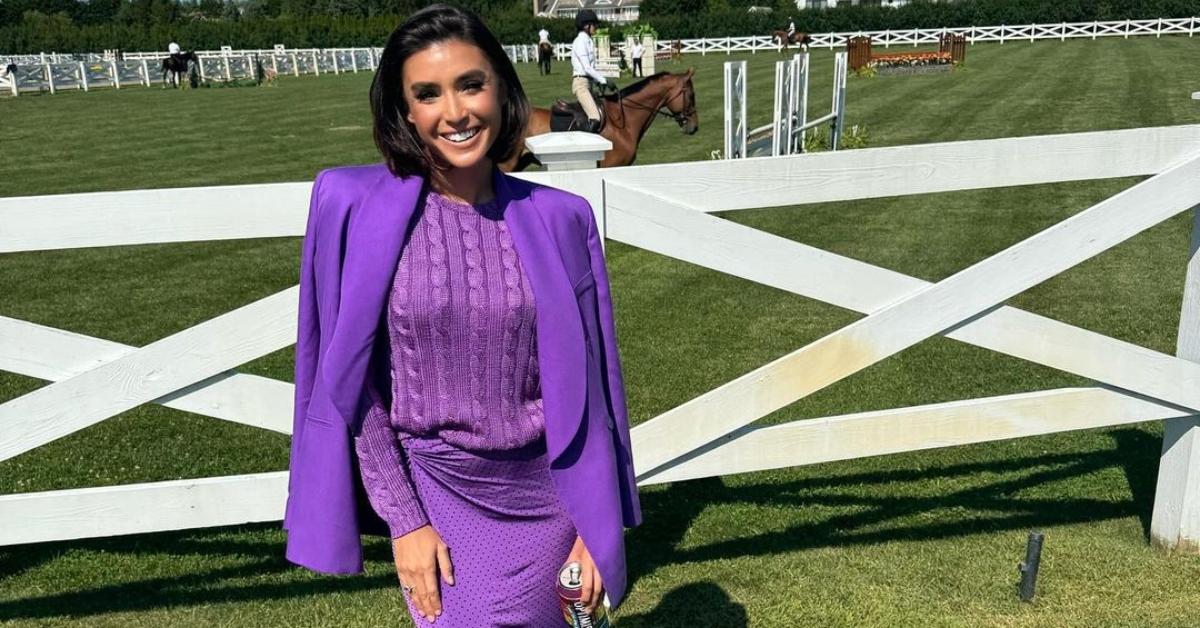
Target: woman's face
{"x": 454, "y": 101}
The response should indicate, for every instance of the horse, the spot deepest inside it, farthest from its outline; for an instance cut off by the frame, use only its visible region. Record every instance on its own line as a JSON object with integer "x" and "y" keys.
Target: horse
{"x": 627, "y": 116}
{"x": 782, "y": 40}
{"x": 176, "y": 65}
{"x": 545, "y": 54}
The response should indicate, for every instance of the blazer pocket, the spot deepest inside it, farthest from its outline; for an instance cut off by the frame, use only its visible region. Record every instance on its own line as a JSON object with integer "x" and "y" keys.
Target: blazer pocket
{"x": 584, "y": 282}
{"x": 312, "y": 418}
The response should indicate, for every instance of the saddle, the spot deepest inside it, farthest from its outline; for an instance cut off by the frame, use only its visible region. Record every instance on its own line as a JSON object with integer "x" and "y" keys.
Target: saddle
{"x": 569, "y": 116}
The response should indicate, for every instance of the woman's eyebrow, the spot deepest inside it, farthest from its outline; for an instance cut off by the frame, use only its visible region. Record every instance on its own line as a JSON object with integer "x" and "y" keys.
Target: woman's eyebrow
{"x": 465, "y": 76}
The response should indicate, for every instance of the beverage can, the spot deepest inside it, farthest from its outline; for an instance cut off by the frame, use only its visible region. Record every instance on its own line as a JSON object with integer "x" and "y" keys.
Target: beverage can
{"x": 570, "y": 592}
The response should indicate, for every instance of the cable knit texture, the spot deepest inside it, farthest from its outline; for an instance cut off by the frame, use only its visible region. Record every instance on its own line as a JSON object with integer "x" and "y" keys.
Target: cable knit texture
{"x": 462, "y": 330}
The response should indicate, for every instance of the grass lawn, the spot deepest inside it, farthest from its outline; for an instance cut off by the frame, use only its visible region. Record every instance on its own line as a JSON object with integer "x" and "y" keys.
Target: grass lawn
{"x": 928, "y": 538}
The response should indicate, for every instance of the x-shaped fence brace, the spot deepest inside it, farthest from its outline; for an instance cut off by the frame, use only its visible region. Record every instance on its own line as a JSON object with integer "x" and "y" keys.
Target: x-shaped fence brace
{"x": 191, "y": 370}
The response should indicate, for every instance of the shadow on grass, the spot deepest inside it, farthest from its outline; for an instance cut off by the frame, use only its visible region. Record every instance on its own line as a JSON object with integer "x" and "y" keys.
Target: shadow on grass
{"x": 881, "y": 512}
{"x": 697, "y": 604}
{"x": 879, "y": 516}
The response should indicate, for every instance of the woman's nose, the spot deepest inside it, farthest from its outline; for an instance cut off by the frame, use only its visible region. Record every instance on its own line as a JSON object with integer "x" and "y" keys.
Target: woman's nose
{"x": 454, "y": 109}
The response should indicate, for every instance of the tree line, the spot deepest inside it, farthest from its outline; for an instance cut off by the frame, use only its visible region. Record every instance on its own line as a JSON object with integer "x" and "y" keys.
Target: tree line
{"x": 31, "y": 26}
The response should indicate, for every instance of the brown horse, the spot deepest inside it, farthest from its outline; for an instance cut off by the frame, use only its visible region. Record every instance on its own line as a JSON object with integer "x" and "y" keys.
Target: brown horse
{"x": 782, "y": 41}
{"x": 627, "y": 116}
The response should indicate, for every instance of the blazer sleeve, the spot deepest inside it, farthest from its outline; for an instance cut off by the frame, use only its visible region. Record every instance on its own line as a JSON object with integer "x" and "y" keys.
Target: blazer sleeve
{"x": 308, "y": 328}
{"x": 614, "y": 382}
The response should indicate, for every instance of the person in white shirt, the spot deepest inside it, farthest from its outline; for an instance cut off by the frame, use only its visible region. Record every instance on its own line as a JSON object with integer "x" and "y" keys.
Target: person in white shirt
{"x": 636, "y": 53}
{"x": 583, "y": 66}
{"x": 545, "y": 51}
{"x": 791, "y": 30}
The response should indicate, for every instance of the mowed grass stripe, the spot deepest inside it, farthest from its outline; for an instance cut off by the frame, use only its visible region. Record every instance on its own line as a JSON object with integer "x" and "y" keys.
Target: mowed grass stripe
{"x": 920, "y": 538}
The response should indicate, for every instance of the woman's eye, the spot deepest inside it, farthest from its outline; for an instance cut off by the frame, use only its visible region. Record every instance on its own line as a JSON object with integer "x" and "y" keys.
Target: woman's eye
{"x": 474, "y": 86}
{"x": 425, "y": 95}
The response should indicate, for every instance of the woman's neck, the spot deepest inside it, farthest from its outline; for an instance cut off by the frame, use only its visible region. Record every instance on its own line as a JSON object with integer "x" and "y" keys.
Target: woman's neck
{"x": 470, "y": 185}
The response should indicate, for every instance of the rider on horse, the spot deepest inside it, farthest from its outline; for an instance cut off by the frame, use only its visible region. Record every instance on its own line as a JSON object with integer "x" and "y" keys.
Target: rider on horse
{"x": 583, "y": 66}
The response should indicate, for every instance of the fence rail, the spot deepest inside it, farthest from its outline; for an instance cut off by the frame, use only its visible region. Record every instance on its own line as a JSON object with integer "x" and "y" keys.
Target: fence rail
{"x": 664, "y": 209}
{"x": 53, "y": 71}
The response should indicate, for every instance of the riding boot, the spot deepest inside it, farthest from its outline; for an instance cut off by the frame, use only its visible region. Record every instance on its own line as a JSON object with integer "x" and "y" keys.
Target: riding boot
{"x": 593, "y": 126}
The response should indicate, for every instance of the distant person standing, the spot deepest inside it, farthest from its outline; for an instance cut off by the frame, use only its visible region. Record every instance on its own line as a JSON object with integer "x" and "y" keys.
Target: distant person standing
{"x": 636, "y": 53}
{"x": 545, "y": 51}
{"x": 583, "y": 66}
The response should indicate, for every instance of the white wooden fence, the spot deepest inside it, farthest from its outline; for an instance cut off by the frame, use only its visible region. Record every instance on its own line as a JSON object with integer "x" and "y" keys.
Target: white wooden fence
{"x": 337, "y": 60}
{"x": 665, "y": 209}
{"x": 52, "y": 71}
{"x": 916, "y": 36}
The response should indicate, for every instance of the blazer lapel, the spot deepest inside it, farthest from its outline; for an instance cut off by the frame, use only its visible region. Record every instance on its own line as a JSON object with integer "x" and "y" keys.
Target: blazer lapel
{"x": 374, "y": 238}
{"x": 561, "y": 353}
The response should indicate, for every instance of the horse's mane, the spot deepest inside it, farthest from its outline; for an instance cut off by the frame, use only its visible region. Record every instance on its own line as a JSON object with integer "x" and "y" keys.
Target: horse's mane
{"x": 630, "y": 90}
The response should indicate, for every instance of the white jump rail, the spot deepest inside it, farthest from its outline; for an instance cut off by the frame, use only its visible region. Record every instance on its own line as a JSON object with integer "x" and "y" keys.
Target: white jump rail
{"x": 665, "y": 209}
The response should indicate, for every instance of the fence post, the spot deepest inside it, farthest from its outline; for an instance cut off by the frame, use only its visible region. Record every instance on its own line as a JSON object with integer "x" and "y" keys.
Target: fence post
{"x": 1127, "y": 22}
{"x": 1175, "y": 524}
{"x": 839, "y": 100}
{"x": 333, "y": 53}
{"x": 1062, "y": 36}
{"x": 1095, "y": 29}
{"x": 228, "y": 75}
{"x": 1032, "y": 30}
{"x": 295, "y": 65}
{"x": 50, "y": 77}
{"x": 145, "y": 74}
{"x": 1158, "y": 29}
{"x": 354, "y": 61}
{"x": 316, "y": 63}
{"x": 1001, "y": 34}
{"x": 568, "y": 150}
{"x": 116, "y": 75}
{"x": 82, "y": 77}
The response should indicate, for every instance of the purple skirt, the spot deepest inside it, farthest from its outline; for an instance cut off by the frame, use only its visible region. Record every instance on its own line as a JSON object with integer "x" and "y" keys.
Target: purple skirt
{"x": 506, "y": 529}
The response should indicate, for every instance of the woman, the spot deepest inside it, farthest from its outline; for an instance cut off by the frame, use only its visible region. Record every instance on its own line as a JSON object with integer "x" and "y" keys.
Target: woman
{"x": 458, "y": 385}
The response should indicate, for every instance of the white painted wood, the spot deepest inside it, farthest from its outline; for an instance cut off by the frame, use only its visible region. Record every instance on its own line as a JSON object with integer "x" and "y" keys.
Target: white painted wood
{"x": 153, "y": 216}
{"x": 900, "y": 170}
{"x": 859, "y": 435}
{"x": 938, "y": 307}
{"x": 664, "y": 227}
{"x": 160, "y": 368}
{"x": 54, "y": 354}
{"x": 568, "y": 150}
{"x": 137, "y": 508}
{"x": 1175, "y": 524}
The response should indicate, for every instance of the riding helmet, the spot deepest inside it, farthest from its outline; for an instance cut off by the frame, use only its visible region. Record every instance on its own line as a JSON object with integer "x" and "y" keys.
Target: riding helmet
{"x": 585, "y": 17}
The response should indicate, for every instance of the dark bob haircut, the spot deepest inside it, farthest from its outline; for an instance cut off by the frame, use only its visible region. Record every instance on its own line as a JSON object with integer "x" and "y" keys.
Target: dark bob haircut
{"x": 394, "y": 135}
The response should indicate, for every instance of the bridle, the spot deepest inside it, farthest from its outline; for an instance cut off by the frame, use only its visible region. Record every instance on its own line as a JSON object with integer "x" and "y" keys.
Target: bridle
{"x": 680, "y": 118}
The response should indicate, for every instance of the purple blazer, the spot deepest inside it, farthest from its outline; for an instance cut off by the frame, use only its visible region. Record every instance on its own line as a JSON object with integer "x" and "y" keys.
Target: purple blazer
{"x": 357, "y": 221}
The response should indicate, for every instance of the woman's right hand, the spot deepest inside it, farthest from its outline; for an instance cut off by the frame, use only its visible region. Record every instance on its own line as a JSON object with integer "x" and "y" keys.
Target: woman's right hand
{"x": 420, "y": 556}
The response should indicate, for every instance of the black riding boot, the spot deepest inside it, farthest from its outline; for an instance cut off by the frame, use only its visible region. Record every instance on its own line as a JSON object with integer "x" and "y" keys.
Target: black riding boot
{"x": 593, "y": 126}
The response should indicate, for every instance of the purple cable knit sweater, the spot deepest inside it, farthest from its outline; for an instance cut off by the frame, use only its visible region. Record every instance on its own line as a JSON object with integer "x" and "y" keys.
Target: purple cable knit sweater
{"x": 461, "y": 327}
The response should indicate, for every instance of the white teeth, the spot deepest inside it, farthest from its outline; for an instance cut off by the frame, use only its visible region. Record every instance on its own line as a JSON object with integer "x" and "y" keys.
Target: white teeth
{"x": 462, "y": 136}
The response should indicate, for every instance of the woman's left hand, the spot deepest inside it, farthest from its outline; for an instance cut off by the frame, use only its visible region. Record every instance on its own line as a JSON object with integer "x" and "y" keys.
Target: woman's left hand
{"x": 593, "y": 587}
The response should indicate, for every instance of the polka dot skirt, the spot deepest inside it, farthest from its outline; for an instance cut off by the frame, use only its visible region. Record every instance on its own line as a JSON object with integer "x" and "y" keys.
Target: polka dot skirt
{"x": 506, "y": 529}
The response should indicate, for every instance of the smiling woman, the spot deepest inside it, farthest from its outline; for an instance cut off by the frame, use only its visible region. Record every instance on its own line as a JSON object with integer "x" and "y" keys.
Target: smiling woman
{"x": 439, "y": 299}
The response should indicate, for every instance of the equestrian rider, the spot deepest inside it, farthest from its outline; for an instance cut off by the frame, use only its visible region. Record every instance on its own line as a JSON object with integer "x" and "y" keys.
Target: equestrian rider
{"x": 583, "y": 66}
{"x": 791, "y": 29}
{"x": 543, "y": 36}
